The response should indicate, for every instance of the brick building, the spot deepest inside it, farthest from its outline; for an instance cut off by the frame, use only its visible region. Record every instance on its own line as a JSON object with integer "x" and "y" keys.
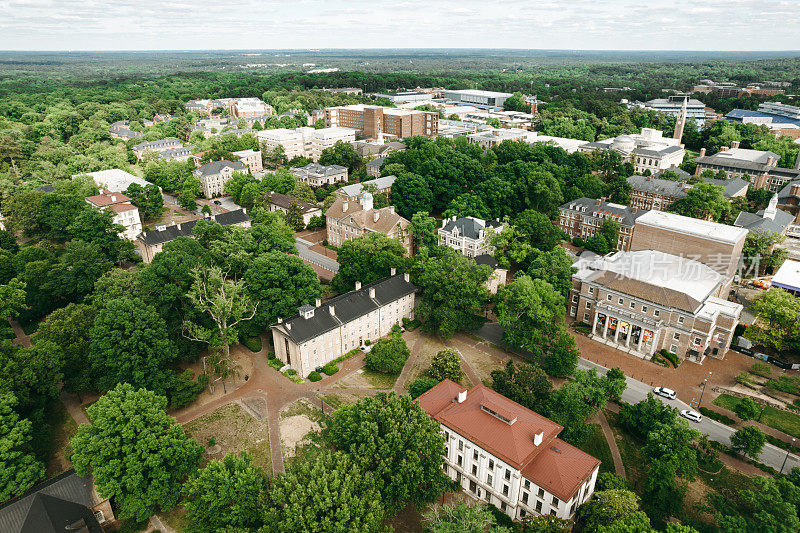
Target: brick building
{"x": 346, "y": 220}
{"x": 585, "y": 216}
{"x": 372, "y": 120}
{"x": 758, "y": 167}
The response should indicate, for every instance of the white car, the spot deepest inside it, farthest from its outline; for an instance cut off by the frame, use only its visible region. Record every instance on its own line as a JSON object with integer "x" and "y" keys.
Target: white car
{"x": 692, "y": 416}
{"x": 665, "y": 393}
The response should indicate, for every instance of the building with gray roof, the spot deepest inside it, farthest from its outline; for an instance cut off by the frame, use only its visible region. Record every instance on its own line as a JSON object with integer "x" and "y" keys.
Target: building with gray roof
{"x": 317, "y": 175}
{"x": 215, "y": 174}
{"x": 770, "y": 219}
{"x": 583, "y": 217}
{"x": 356, "y": 190}
{"x": 757, "y": 166}
{"x": 468, "y": 235}
{"x": 321, "y": 333}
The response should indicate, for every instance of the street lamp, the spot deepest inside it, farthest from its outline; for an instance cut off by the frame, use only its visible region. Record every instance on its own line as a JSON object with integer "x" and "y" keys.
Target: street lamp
{"x": 787, "y": 457}
{"x": 705, "y": 382}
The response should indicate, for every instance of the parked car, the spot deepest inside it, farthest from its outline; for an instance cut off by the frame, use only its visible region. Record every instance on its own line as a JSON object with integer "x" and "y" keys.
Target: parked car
{"x": 692, "y": 416}
{"x": 762, "y": 283}
{"x": 665, "y": 393}
{"x": 217, "y": 202}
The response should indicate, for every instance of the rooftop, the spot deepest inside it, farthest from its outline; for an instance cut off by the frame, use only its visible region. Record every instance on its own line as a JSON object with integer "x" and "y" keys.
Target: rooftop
{"x": 379, "y": 183}
{"x": 469, "y": 227}
{"x": 476, "y": 92}
{"x": 788, "y": 276}
{"x": 214, "y": 167}
{"x": 115, "y": 180}
{"x": 654, "y": 276}
{"x": 692, "y": 226}
{"x": 282, "y": 200}
{"x": 184, "y": 229}
{"x": 346, "y": 308}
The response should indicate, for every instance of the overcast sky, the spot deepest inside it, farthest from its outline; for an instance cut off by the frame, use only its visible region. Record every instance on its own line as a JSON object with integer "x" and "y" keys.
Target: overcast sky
{"x": 237, "y": 24}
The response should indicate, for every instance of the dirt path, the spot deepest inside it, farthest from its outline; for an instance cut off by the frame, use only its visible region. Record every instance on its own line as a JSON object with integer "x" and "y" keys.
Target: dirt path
{"x": 21, "y": 338}
{"x": 400, "y": 384}
{"x": 619, "y": 466}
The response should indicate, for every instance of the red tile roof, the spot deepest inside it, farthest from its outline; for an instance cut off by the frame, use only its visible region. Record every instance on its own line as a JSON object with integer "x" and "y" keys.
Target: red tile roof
{"x": 554, "y": 465}
{"x": 107, "y": 198}
{"x": 119, "y": 208}
{"x": 511, "y": 442}
{"x": 561, "y": 469}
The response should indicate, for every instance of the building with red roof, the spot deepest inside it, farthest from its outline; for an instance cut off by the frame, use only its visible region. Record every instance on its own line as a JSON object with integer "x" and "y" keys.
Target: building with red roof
{"x": 508, "y": 455}
{"x": 124, "y": 212}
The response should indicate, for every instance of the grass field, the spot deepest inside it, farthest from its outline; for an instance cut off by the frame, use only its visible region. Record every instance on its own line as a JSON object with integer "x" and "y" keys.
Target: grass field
{"x": 597, "y": 446}
{"x": 784, "y": 421}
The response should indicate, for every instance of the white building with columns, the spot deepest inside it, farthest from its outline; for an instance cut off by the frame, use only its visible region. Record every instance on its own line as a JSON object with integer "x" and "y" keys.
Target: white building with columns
{"x": 645, "y": 301}
{"x": 507, "y": 455}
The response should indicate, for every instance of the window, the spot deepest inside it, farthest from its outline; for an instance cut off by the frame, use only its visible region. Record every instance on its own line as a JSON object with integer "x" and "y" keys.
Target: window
{"x": 619, "y": 301}
{"x": 591, "y": 290}
{"x": 527, "y": 484}
{"x": 588, "y": 305}
{"x": 574, "y": 298}
{"x": 508, "y": 475}
{"x": 633, "y": 305}
{"x": 676, "y": 336}
{"x": 644, "y": 309}
{"x": 553, "y": 512}
{"x": 475, "y": 455}
{"x": 505, "y": 490}
{"x": 489, "y": 479}
{"x": 673, "y": 348}
{"x": 698, "y": 341}
{"x": 473, "y": 487}
{"x": 680, "y": 320}
{"x": 608, "y": 297}
{"x": 461, "y": 445}
{"x": 656, "y": 313}
{"x": 585, "y": 317}
{"x": 541, "y": 493}
{"x": 556, "y": 501}
{"x": 525, "y": 498}
{"x": 539, "y": 506}
{"x": 503, "y": 506}
{"x": 474, "y": 471}
{"x": 459, "y": 460}
{"x": 522, "y": 513}
{"x": 491, "y": 464}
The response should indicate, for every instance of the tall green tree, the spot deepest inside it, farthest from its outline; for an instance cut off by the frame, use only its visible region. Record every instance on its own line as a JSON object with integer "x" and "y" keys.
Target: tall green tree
{"x": 749, "y": 441}
{"x": 776, "y": 325}
{"x": 704, "y": 201}
{"x": 136, "y": 453}
{"x": 526, "y": 384}
{"x": 411, "y": 194}
{"x": 12, "y": 298}
{"x": 329, "y": 492}
{"x": 225, "y": 494}
{"x": 366, "y": 259}
{"x": 393, "y": 437}
{"x": 461, "y": 517}
{"x": 129, "y": 344}
{"x": 19, "y": 467}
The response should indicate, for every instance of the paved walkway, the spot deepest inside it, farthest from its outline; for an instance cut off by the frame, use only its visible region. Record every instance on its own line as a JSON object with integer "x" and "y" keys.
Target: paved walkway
{"x": 73, "y": 406}
{"x": 20, "y": 337}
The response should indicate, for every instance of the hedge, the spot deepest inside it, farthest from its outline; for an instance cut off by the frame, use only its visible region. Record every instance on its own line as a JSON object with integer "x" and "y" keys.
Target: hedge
{"x": 705, "y": 411}
{"x": 348, "y": 355}
{"x": 277, "y": 364}
{"x": 253, "y": 343}
{"x": 671, "y": 357}
{"x": 314, "y": 376}
{"x": 330, "y": 369}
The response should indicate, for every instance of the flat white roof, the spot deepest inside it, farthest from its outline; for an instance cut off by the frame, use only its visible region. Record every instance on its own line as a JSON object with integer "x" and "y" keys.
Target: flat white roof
{"x": 754, "y": 156}
{"x": 692, "y": 226}
{"x": 475, "y": 92}
{"x": 681, "y": 274}
{"x": 788, "y": 276}
{"x": 115, "y": 180}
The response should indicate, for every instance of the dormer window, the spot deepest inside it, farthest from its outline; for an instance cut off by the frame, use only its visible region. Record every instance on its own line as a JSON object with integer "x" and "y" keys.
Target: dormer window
{"x": 306, "y": 311}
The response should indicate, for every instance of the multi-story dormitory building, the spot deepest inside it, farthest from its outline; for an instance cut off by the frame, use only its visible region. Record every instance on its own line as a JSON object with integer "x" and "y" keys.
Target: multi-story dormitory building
{"x": 758, "y": 167}
{"x": 585, "y": 216}
{"x": 507, "y": 455}
{"x": 320, "y": 333}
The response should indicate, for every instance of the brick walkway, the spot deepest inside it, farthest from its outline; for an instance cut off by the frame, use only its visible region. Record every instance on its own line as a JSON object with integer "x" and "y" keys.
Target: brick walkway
{"x": 619, "y": 466}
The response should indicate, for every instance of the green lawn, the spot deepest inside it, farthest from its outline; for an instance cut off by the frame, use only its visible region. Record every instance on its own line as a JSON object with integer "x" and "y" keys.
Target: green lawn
{"x": 379, "y": 380}
{"x": 784, "y": 421}
{"x": 597, "y": 446}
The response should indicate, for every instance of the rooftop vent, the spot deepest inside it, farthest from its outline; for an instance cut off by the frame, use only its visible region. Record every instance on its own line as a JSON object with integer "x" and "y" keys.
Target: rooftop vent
{"x": 499, "y": 413}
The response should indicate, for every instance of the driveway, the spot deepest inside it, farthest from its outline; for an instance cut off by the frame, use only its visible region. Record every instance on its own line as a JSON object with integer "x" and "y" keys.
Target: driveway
{"x": 637, "y": 391}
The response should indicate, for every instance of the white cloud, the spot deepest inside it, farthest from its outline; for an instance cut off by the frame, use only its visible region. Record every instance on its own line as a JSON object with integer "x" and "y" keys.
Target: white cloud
{"x": 549, "y": 24}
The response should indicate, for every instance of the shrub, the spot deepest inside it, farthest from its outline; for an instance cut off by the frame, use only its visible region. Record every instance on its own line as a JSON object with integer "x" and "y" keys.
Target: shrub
{"x": 277, "y": 364}
{"x": 186, "y": 389}
{"x": 211, "y": 442}
{"x": 761, "y": 369}
{"x": 411, "y": 325}
{"x": 657, "y": 359}
{"x": 314, "y": 376}
{"x": 291, "y": 372}
{"x": 705, "y": 411}
{"x": 785, "y": 384}
{"x": 348, "y": 355}
{"x": 446, "y": 365}
{"x": 253, "y": 343}
{"x": 388, "y": 355}
{"x": 611, "y": 481}
{"x": 579, "y": 241}
{"x": 743, "y": 378}
{"x": 271, "y": 355}
{"x": 367, "y": 342}
{"x": 330, "y": 369}
{"x": 671, "y": 357}
{"x": 420, "y": 386}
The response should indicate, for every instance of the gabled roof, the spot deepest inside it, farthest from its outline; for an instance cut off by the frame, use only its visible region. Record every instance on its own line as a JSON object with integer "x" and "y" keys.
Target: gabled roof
{"x": 282, "y": 200}
{"x": 315, "y": 169}
{"x": 561, "y": 469}
{"x": 626, "y": 215}
{"x": 676, "y": 189}
{"x": 346, "y": 307}
{"x": 355, "y": 189}
{"x": 215, "y": 167}
{"x": 51, "y": 506}
{"x": 184, "y": 229}
{"x": 754, "y": 221}
{"x": 731, "y": 187}
{"x": 469, "y": 227}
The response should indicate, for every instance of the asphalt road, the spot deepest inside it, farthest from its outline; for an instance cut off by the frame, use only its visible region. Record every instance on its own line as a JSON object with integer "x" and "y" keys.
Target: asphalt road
{"x": 318, "y": 259}
{"x": 637, "y": 391}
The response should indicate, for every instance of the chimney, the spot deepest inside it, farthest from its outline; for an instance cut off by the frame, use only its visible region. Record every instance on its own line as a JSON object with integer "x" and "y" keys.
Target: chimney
{"x": 407, "y": 277}
{"x": 735, "y": 144}
{"x": 702, "y": 152}
{"x": 391, "y": 207}
{"x": 392, "y": 271}
{"x": 795, "y": 190}
{"x": 598, "y": 201}
{"x": 332, "y": 310}
{"x": 317, "y": 302}
{"x": 114, "y": 198}
{"x": 179, "y": 226}
{"x": 358, "y": 285}
{"x": 723, "y": 148}
{"x": 372, "y": 292}
{"x": 537, "y": 439}
{"x": 633, "y": 210}
{"x": 462, "y": 396}
{"x": 345, "y": 205}
{"x": 770, "y": 161}
{"x": 376, "y": 215}
{"x": 280, "y": 320}
{"x": 649, "y": 178}
{"x": 288, "y": 326}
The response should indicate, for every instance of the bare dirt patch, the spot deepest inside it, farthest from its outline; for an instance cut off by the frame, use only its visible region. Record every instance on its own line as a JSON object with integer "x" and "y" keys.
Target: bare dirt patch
{"x": 338, "y": 399}
{"x": 481, "y": 362}
{"x": 366, "y": 379}
{"x": 233, "y": 430}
